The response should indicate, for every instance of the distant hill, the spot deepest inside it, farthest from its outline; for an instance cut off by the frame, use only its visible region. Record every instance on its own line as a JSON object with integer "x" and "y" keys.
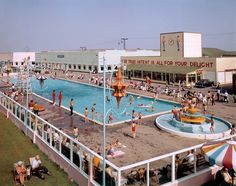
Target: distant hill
{"x": 215, "y": 52}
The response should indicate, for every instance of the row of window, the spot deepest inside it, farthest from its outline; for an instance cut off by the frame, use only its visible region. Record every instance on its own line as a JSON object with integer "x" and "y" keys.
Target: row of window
{"x": 71, "y": 66}
{"x": 22, "y": 63}
{"x": 159, "y": 76}
{"x": 82, "y": 67}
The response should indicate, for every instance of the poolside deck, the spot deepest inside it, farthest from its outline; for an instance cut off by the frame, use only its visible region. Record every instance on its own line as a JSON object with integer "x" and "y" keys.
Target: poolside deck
{"x": 149, "y": 139}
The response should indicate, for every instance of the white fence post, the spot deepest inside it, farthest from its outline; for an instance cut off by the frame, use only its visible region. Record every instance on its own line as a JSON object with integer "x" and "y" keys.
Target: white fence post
{"x": 195, "y": 160}
{"x": 91, "y": 168}
{"x": 35, "y": 129}
{"x": 173, "y": 168}
{"x": 71, "y": 151}
{"x": 119, "y": 178}
{"x": 148, "y": 180}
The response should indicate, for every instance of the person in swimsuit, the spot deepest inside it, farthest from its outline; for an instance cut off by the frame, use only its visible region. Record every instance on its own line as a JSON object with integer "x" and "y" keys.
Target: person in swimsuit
{"x": 110, "y": 118}
{"x": 133, "y": 129}
{"x": 139, "y": 118}
{"x": 212, "y": 127}
{"x": 86, "y": 115}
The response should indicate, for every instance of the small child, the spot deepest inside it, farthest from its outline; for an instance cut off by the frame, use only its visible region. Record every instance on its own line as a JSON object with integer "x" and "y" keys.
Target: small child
{"x": 110, "y": 118}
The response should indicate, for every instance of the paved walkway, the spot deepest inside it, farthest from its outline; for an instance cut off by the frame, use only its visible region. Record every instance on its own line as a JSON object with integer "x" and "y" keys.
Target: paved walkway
{"x": 149, "y": 139}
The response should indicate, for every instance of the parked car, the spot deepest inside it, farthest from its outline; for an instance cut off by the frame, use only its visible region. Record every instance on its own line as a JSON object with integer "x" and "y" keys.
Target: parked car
{"x": 204, "y": 83}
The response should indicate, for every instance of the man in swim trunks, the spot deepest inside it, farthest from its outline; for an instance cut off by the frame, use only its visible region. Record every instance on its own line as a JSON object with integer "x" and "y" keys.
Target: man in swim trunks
{"x": 60, "y": 98}
{"x": 71, "y": 106}
{"x": 53, "y": 97}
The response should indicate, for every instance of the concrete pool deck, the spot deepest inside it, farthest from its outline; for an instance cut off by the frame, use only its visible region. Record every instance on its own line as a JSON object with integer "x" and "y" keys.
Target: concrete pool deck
{"x": 150, "y": 139}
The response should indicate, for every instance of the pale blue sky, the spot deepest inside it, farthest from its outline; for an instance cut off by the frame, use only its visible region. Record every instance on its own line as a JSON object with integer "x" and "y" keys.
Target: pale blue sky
{"x": 38, "y": 25}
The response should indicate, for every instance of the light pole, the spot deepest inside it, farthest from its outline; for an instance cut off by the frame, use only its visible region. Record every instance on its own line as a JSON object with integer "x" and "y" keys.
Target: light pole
{"x": 104, "y": 125}
{"x": 123, "y": 41}
{"x": 27, "y": 83}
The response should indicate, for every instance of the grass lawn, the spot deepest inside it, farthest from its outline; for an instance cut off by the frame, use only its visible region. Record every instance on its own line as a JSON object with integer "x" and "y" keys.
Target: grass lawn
{"x": 15, "y": 146}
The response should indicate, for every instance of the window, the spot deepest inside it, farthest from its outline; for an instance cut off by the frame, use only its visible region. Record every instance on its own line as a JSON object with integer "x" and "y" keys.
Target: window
{"x": 101, "y": 68}
{"x": 60, "y": 56}
{"x": 84, "y": 67}
{"x": 95, "y": 68}
{"x": 79, "y": 67}
{"x": 180, "y": 77}
{"x": 16, "y": 63}
{"x": 74, "y": 66}
{"x": 22, "y": 63}
{"x": 90, "y": 68}
{"x": 146, "y": 73}
{"x": 33, "y": 63}
{"x": 163, "y": 76}
{"x": 69, "y": 66}
{"x": 156, "y": 76}
{"x": 137, "y": 74}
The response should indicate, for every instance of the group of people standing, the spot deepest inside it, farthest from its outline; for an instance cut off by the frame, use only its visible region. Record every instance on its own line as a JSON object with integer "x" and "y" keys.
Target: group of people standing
{"x": 54, "y": 98}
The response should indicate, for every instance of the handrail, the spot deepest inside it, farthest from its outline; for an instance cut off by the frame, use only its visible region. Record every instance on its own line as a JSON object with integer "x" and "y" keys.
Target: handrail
{"x": 118, "y": 169}
{"x": 56, "y": 129}
{"x": 169, "y": 154}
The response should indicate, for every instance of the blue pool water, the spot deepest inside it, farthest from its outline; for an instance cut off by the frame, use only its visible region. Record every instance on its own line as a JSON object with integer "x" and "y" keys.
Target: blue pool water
{"x": 220, "y": 125}
{"x": 86, "y": 95}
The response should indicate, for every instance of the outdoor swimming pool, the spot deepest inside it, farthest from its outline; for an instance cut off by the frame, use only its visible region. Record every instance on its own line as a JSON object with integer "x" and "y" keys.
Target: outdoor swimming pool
{"x": 86, "y": 96}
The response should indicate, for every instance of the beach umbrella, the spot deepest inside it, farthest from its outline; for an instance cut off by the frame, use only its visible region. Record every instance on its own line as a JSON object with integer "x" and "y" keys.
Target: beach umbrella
{"x": 222, "y": 153}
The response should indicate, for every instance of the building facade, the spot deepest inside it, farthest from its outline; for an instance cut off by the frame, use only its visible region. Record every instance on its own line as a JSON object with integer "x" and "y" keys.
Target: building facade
{"x": 15, "y": 60}
{"x": 86, "y": 60}
{"x": 180, "y": 61}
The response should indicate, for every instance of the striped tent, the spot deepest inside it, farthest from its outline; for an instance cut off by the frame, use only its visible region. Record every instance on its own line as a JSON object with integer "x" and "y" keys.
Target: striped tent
{"x": 222, "y": 153}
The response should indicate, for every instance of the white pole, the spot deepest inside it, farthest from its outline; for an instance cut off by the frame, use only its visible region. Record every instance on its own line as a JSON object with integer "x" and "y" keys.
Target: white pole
{"x": 104, "y": 124}
{"x": 27, "y": 84}
{"x": 148, "y": 168}
{"x": 173, "y": 169}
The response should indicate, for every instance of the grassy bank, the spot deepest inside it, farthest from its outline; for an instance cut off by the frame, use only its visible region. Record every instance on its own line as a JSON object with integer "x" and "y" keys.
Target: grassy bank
{"x": 15, "y": 146}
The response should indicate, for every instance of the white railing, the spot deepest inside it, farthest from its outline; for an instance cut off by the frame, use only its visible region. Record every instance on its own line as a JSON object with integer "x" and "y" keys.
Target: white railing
{"x": 71, "y": 150}
{"x": 172, "y": 161}
{"x": 78, "y": 155}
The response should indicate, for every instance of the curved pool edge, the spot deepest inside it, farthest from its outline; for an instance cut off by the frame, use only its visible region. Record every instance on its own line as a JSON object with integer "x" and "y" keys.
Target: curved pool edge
{"x": 193, "y": 135}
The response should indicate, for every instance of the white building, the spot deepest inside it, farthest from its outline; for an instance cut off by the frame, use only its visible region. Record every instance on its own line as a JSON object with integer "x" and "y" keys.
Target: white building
{"x": 20, "y": 57}
{"x": 87, "y": 60}
{"x": 183, "y": 59}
